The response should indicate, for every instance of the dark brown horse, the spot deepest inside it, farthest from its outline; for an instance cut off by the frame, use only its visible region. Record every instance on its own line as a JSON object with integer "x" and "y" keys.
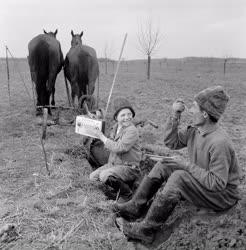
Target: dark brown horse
{"x": 45, "y": 61}
{"x": 81, "y": 68}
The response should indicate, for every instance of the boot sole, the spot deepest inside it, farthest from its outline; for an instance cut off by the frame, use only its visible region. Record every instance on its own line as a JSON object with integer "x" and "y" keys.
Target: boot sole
{"x": 145, "y": 240}
{"x": 127, "y": 216}
{"x": 119, "y": 224}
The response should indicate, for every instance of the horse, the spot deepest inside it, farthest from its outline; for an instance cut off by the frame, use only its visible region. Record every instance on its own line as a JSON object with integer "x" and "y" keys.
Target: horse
{"x": 81, "y": 68}
{"x": 45, "y": 60}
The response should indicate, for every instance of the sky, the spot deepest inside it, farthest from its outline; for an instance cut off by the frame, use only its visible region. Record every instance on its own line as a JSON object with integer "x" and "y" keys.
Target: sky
{"x": 206, "y": 28}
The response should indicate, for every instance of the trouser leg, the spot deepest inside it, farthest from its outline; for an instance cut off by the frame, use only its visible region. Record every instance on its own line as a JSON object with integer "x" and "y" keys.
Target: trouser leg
{"x": 159, "y": 211}
{"x": 147, "y": 189}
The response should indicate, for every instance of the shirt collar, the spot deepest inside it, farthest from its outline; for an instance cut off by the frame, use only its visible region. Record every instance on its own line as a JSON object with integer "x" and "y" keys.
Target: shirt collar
{"x": 208, "y": 130}
{"x": 117, "y": 131}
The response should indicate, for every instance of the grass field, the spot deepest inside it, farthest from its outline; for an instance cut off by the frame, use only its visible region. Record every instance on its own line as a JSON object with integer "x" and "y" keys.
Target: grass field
{"x": 65, "y": 210}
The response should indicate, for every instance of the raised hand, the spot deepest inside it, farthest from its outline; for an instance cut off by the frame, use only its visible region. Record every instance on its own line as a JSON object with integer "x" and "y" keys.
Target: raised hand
{"x": 178, "y": 106}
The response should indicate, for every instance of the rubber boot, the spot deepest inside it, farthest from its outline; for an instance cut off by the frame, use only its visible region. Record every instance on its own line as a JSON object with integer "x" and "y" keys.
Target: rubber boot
{"x": 125, "y": 193}
{"x": 133, "y": 209}
{"x": 108, "y": 191}
{"x": 159, "y": 211}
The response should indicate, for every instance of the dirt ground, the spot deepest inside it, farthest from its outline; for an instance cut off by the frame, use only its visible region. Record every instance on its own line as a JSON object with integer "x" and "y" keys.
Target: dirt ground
{"x": 65, "y": 210}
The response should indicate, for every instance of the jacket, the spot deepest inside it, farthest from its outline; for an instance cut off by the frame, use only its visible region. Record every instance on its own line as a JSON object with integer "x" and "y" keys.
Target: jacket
{"x": 124, "y": 147}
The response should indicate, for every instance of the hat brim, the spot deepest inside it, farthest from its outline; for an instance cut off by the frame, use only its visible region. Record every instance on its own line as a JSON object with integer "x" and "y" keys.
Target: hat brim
{"x": 126, "y": 107}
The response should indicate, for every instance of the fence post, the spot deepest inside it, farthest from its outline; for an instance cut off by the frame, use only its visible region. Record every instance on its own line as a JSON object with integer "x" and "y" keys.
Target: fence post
{"x": 7, "y": 65}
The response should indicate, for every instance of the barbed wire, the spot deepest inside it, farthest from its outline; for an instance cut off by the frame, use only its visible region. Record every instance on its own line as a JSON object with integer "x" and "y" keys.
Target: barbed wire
{"x": 18, "y": 70}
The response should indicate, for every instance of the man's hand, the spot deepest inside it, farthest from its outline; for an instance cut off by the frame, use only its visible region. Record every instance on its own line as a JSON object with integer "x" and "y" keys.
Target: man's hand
{"x": 97, "y": 133}
{"x": 178, "y": 106}
{"x": 175, "y": 162}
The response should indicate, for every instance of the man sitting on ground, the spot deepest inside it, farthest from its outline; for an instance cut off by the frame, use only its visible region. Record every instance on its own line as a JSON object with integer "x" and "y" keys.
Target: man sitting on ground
{"x": 208, "y": 180}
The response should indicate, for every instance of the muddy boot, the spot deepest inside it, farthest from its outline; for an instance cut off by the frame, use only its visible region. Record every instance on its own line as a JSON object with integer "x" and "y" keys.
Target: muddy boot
{"x": 125, "y": 193}
{"x": 108, "y": 191}
{"x": 133, "y": 209}
{"x": 123, "y": 198}
{"x": 159, "y": 211}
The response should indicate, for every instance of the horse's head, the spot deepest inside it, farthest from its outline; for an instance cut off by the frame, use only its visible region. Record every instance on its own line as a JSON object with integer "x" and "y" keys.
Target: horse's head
{"x": 76, "y": 39}
{"x": 51, "y": 33}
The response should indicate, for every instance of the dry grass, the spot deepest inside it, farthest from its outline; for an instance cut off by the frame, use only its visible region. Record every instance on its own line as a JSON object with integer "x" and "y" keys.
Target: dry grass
{"x": 65, "y": 210}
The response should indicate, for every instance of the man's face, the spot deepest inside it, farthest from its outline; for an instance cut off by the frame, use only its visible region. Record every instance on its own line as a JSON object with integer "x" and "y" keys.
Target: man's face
{"x": 124, "y": 117}
{"x": 198, "y": 116}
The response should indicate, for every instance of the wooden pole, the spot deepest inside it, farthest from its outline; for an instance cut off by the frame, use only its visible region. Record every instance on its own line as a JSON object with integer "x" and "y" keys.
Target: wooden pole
{"x": 33, "y": 92}
{"x": 22, "y": 79}
{"x": 7, "y": 65}
{"x": 42, "y": 138}
{"x": 117, "y": 68}
{"x": 45, "y": 117}
{"x": 33, "y": 96}
{"x": 225, "y": 61}
{"x": 98, "y": 91}
{"x": 148, "y": 67}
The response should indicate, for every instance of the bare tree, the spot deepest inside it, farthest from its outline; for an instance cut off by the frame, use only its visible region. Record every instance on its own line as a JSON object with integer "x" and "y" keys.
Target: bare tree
{"x": 226, "y": 59}
{"x": 106, "y": 58}
{"x": 148, "y": 39}
{"x": 124, "y": 62}
{"x": 107, "y": 54}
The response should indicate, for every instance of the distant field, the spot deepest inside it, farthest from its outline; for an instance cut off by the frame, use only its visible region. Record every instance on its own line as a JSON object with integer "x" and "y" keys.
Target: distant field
{"x": 65, "y": 210}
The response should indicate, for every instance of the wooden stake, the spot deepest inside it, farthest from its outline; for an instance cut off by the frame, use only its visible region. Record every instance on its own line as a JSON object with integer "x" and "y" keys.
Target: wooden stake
{"x": 45, "y": 156}
{"x": 42, "y": 138}
{"x": 115, "y": 74}
{"x": 98, "y": 91}
{"x": 33, "y": 92}
{"x": 45, "y": 117}
{"x": 34, "y": 96}
{"x": 7, "y": 65}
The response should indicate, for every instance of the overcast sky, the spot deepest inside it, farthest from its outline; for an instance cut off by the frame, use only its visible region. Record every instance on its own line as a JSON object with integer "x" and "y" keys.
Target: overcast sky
{"x": 188, "y": 27}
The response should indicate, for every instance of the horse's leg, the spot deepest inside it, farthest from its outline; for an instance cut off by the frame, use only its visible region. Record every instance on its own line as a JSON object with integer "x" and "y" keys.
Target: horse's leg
{"x": 40, "y": 93}
{"x": 53, "y": 96}
{"x": 90, "y": 91}
{"x": 74, "y": 91}
{"x": 90, "y": 87}
{"x": 51, "y": 87}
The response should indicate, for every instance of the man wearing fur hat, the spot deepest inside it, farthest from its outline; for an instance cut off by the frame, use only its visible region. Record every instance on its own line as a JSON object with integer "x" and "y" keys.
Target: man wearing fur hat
{"x": 208, "y": 180}
{"x": 122, "y": 168}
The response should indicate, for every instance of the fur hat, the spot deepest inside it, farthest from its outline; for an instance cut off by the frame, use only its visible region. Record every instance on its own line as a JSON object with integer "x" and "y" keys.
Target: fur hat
{"x": 213, "y": 100}
{"x": 121, "y": 103}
